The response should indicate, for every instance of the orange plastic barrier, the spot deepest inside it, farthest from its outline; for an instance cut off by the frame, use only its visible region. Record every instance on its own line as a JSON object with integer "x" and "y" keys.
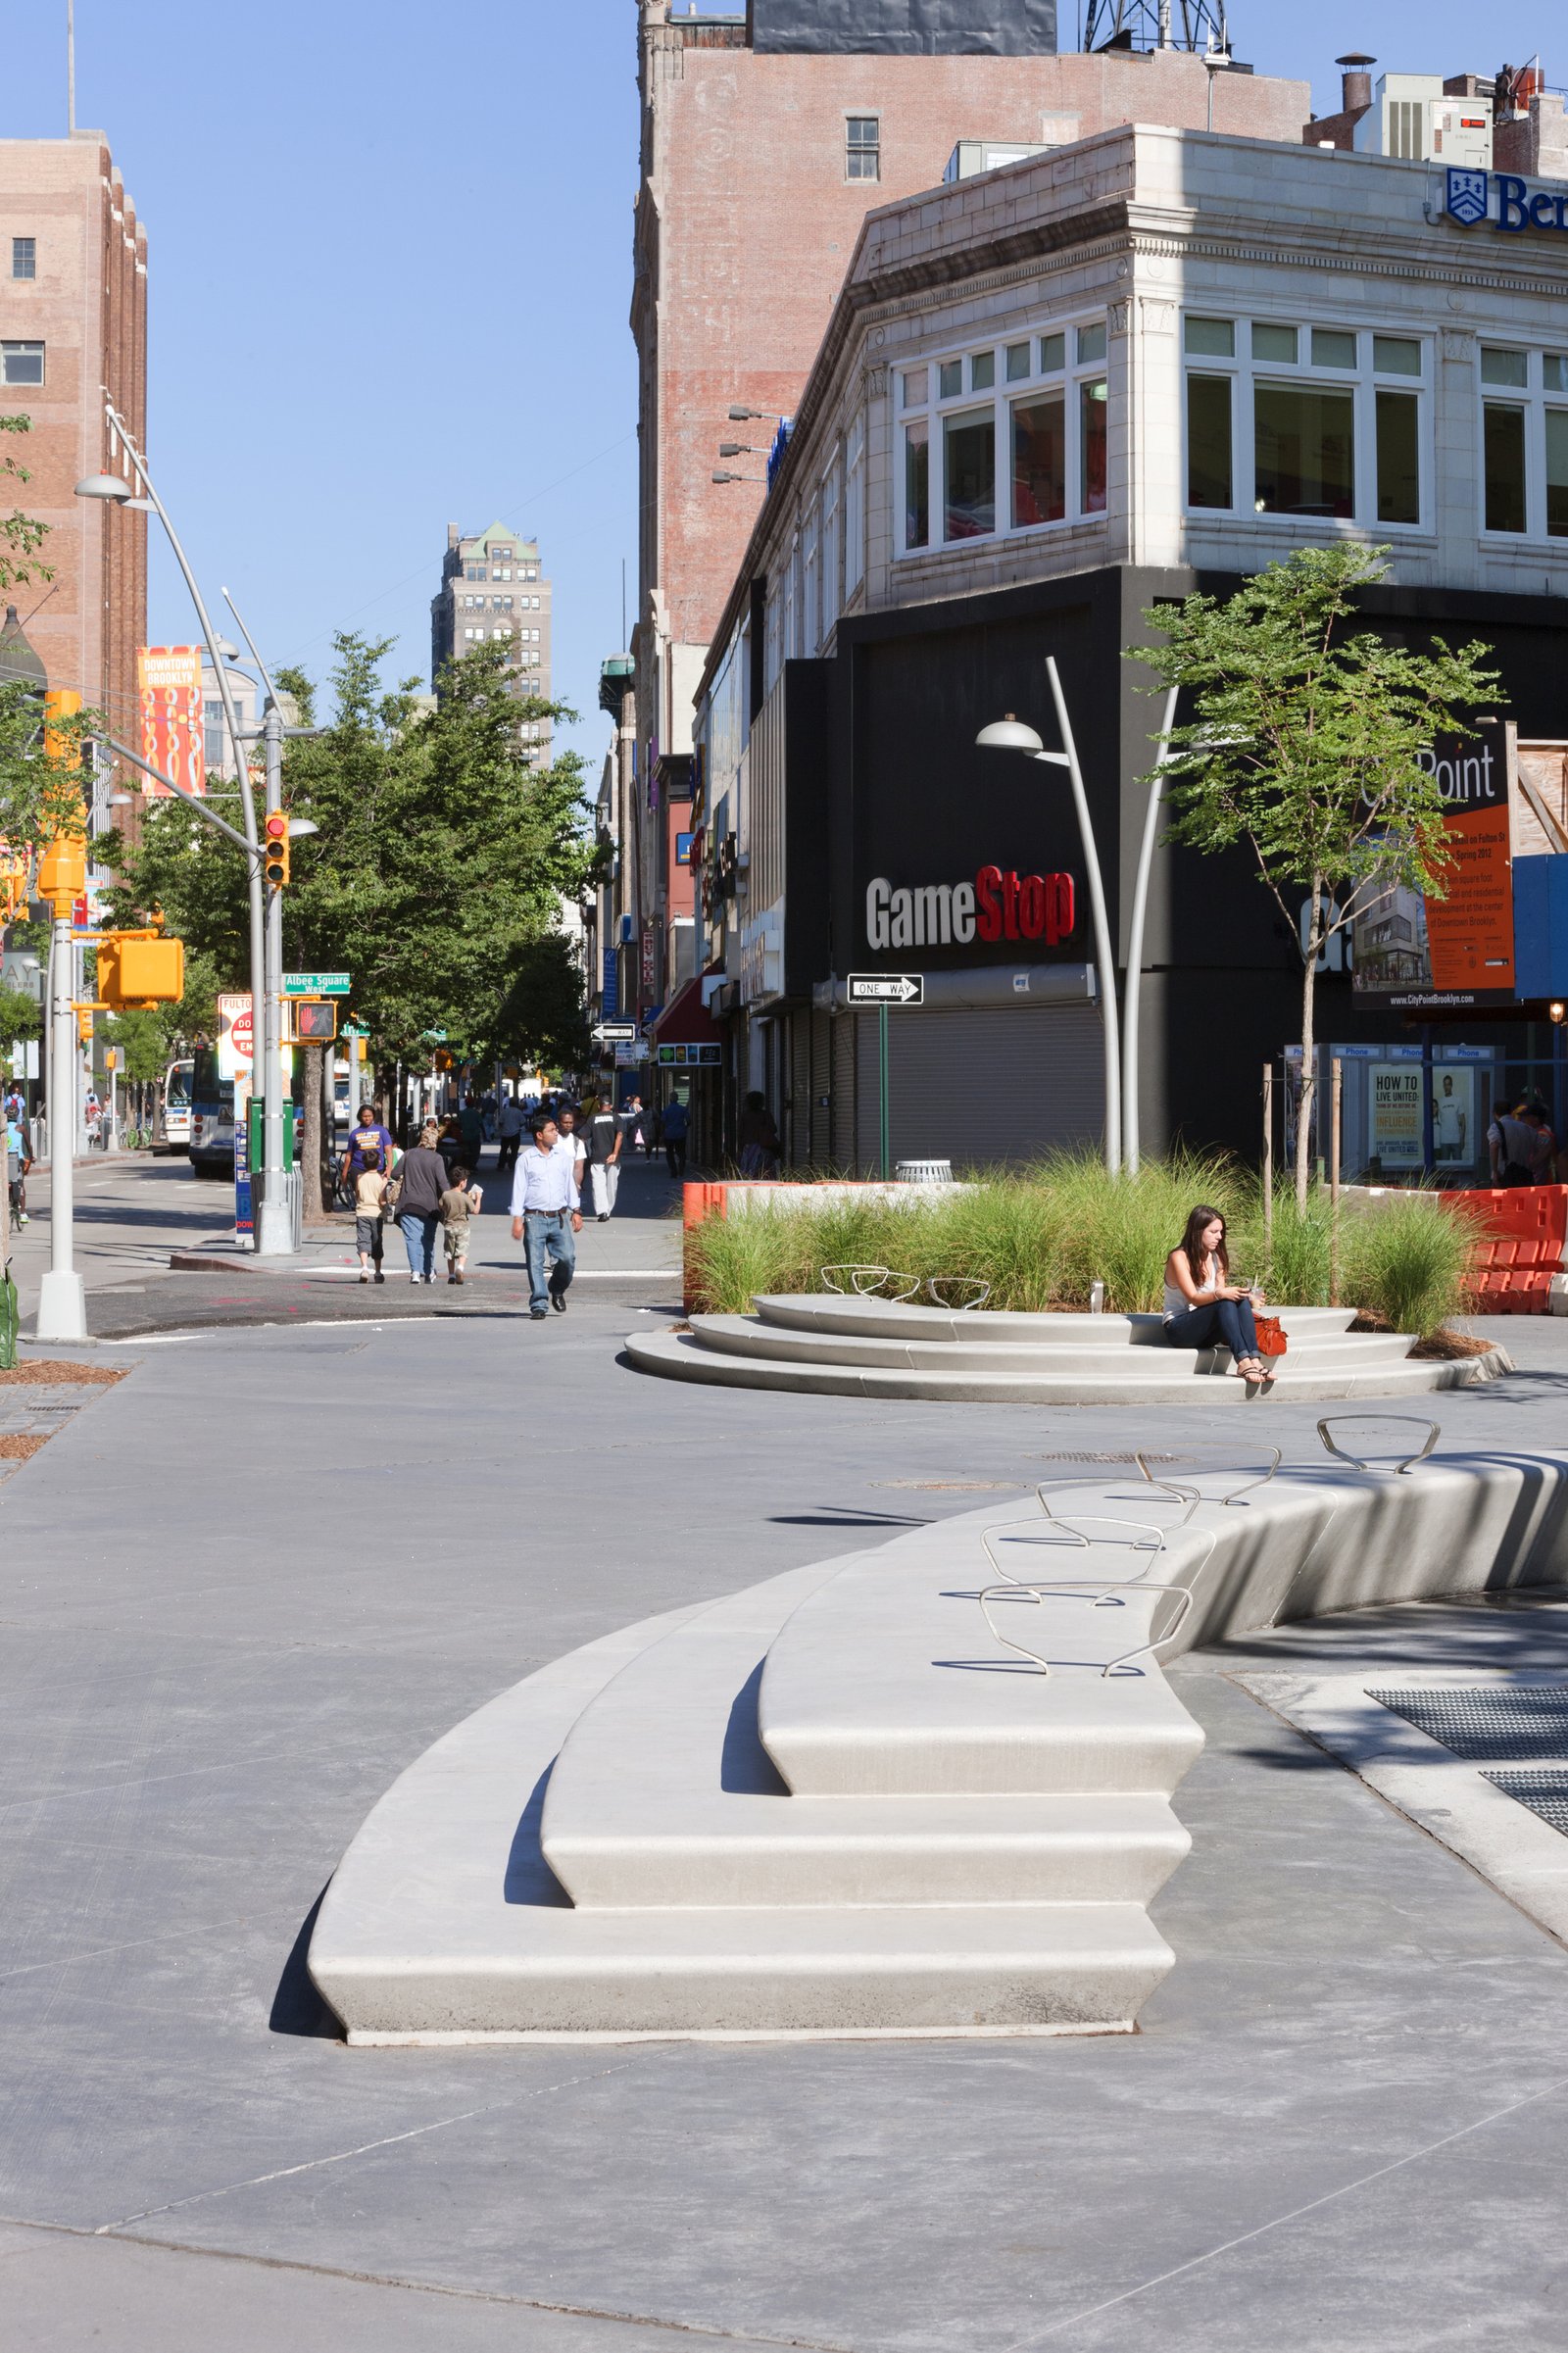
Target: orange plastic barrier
{"x": 1524, "y": 1234}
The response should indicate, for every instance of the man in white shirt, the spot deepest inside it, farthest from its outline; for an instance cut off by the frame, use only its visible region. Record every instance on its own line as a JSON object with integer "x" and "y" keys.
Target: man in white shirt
{"x": 545, "y": 1218}
{"x": 571, "y": 1147}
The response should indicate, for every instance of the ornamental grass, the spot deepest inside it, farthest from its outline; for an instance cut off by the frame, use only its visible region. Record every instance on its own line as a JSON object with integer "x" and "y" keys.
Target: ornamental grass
{"x": 1041, "y": 1236}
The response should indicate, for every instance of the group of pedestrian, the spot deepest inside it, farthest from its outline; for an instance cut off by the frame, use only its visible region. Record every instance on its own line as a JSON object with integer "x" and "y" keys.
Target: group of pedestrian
{"x": 431, "y": 1187}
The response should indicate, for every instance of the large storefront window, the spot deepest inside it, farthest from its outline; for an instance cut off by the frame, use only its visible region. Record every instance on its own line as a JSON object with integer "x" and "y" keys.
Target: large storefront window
{"x": 1399, "y": 420}
{"x": 1557, "y": 474}
{"x": 1504, "y": 441}
{"x": 969, "y": 474}
{"x": 1303, "y": 451}
{"x": 1040, "y": 459}
{"x": 1043, "y": 429}
{"x": 917, "y": 484}
{"x": 1208, "y": 441}
{"x": 1311, "y": 391}
{"x": 1092, "y": 400}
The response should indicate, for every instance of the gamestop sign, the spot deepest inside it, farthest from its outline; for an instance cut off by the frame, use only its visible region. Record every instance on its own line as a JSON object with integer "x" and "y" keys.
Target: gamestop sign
{"x": 1000, "y": 904}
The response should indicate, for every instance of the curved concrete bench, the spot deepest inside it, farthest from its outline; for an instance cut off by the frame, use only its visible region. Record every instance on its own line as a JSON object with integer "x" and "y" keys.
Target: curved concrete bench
{"x": 827, "y": 1344}
{"x": 835, "y": 1803}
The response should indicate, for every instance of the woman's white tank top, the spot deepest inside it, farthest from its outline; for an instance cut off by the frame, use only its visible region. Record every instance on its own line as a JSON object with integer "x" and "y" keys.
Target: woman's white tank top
{"x": 1176, "y": 1300}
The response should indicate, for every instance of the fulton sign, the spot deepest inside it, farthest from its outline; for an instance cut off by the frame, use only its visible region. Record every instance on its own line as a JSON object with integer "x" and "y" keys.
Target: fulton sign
{"x": 1000, "y": 904}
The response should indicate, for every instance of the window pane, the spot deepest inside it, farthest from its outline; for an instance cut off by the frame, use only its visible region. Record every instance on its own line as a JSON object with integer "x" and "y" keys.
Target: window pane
{"x": 1505, "y": 367}
{"x": 1304, "y": 451}
{"x": 1504, "y": 442}
{"x": 982, "y": 370}
{"x": 1208, "y": 441}
{"x": 916, "y": 485}
{"x": 1091, "y": 448}
{"x": 1040, "y": 459}
{"x": 1399, "y": 458}
{"x": 1018, "y": 362}
{"x": 1331, "y": 349}
{"x": 1557, "y": 474}
{"x": 1091, "y": 344}
{"x": 916, "y": 387}
{"x": 1274, "y": 343}
{"x": 1554, "y": 372}
{"x": 1211, "y": 338}
{"x": 969, "y": 454}
{"x": 1052, "y": 354}
{"x": 21, "y": 363}
{"x": 24, "y": 257}
{"x": 950, "y": 379}
{"x": 1396, "y": 354}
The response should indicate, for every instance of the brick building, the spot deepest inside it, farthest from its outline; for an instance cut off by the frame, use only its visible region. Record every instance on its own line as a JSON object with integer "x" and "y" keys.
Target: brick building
{"x": 766, "y": 139}
{"x": 73, "y": 326}
{"x": 493, "y": 586}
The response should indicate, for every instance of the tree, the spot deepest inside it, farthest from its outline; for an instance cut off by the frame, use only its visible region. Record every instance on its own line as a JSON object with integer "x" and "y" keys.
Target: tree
{"x": 21, "y": 535}
{"x": 1305, "y": 746}
{"x": 19, "y": 1016}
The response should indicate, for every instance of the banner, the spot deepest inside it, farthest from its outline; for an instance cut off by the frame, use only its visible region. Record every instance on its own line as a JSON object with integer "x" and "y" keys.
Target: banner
{"x": 1419, "y": 953}
{"x": 169, "y": 680}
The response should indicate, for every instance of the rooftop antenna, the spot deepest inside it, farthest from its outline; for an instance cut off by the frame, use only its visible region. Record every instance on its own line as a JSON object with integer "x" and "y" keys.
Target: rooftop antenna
{"x": 71, "y": 68}
{"x": 1198, "y": 26}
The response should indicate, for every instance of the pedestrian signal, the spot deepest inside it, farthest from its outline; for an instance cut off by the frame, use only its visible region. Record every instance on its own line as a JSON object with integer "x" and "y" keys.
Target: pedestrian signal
{"x": 84, "y": 1025}
{"x": 140, "y": 969}
{"x": 274, "y": 851}
{"x": 315, "y": 1020}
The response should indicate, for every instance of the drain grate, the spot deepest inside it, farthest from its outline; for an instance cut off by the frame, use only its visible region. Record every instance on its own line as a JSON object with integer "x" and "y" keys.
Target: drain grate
{"x": 1130, "y": 1459}
{"x": 1545, "y": 1794}
{"x": 1489, "y": 1723}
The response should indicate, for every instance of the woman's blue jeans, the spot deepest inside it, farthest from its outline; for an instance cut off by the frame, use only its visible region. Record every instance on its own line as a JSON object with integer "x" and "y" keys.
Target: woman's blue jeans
{"x": 418, "y": 1239}
{"x": 1227, "y": 1320}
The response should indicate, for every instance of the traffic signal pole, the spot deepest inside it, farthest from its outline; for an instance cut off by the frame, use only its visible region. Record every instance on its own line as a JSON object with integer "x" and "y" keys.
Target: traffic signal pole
{"x": 275, "y": 1221}
{"x": 62, "y": 1299}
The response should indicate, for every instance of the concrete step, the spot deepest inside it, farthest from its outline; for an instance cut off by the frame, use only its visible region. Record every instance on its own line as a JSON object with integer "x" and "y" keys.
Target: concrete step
{"x": 681, "y": 1356}
{"x": 753, "y": 1337}
{"x": 946, "y": 1970}
{"x": 879, "y": 1319}
{"x": 664, "y": 1796}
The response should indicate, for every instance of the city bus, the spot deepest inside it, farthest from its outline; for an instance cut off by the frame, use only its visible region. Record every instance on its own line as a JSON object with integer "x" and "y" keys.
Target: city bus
{"x": 173, "y": 1132}
{"x": 211, "y": 1118}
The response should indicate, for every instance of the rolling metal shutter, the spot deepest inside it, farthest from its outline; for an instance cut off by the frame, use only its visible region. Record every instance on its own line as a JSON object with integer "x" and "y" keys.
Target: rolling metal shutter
{"x": 978, "y": 1086}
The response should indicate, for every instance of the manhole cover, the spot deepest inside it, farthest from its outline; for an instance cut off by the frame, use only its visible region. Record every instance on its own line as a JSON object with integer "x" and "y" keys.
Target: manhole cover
{"x": 1545, "y": 1794}
{"x": 1526, "y": 1721}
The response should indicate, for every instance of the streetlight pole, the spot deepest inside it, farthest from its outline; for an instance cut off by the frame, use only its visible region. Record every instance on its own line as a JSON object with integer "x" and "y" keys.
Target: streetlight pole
{"x": 274, "y": 1223}
{"x": 113, "y": 486}
{"x": 1135, "y": 940}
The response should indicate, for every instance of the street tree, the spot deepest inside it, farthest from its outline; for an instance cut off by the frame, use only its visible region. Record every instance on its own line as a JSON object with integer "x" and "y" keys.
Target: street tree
{"x": 1306, "y": 745}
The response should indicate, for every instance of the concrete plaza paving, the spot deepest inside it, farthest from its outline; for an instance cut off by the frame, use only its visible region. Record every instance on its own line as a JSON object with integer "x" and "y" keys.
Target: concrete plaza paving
{"x": 248, "y": 1585}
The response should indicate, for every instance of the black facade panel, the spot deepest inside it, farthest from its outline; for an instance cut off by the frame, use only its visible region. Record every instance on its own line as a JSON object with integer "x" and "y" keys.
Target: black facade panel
{"x": 914, "y": 27}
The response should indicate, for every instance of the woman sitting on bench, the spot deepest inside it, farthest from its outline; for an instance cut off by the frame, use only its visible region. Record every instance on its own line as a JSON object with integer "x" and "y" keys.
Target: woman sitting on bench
{"x": 1202, "y": 1306}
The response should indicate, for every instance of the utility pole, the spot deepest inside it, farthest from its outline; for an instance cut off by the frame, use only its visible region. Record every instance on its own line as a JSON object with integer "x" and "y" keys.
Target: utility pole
{"x": 62, "y": 878}
{"x": 274, "y": 1222}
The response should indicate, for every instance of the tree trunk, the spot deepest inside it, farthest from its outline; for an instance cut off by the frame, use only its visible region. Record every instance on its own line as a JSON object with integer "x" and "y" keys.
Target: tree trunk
{"x": 311, "y": 1135}
{"x": 1303, "y": 1124}
{"x": 328, "y": 1118}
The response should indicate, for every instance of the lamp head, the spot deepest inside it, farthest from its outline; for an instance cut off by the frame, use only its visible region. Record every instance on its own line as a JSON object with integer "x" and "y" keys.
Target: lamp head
{"x": 298, "y": 827}
{"x": 104, "y": 486}
{"x": 1008, "y": 735}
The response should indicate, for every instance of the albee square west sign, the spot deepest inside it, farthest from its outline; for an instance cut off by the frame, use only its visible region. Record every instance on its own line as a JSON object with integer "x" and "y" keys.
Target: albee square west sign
{"x": 1502, "y": 200}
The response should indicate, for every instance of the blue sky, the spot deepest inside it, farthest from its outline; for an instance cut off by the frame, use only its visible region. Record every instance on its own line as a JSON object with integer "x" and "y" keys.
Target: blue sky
{"x": 391, "y": 275}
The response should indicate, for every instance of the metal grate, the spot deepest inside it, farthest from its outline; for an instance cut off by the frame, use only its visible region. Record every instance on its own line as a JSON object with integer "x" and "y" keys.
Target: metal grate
{"x": 1130, "y": 1459}
{"x": 1525, "y": 1721}
{"x": 1545, "y": 1794}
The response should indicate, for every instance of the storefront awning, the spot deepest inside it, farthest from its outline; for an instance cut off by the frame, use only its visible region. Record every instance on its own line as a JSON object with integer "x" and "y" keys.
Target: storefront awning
{"x": 686, "y": 1033}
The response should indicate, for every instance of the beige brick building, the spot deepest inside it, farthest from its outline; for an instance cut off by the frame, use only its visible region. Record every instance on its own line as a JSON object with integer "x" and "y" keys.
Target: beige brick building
{"x": 73, "y": 326}
{"x": 493, "y": 587}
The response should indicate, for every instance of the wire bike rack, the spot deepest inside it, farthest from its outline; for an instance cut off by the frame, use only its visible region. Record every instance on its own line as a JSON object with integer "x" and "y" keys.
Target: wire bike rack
{"x": 1404, "y": 1421}
{"x": 865, "y": 1283}
{"x": 1099, "y": 1593}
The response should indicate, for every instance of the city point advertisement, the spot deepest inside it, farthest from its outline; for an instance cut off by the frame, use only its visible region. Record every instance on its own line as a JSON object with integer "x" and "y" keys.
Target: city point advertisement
{"x": 169, "y": 682}
{"x": 1419, "y": 954}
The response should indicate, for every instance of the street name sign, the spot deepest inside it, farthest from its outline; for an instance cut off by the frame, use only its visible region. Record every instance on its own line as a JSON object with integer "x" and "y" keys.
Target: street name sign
{"x": 316, "y": 984}
{"x": 885, "y": 988}
{"x": 615, "y": 1032}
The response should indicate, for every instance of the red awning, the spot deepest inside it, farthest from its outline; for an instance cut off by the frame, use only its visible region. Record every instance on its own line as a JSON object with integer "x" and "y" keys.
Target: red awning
{"x": 686, "y": 1020}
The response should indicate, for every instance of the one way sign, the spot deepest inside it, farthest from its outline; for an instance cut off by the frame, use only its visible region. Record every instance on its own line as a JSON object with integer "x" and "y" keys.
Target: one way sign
{"x": 886, "y": 988}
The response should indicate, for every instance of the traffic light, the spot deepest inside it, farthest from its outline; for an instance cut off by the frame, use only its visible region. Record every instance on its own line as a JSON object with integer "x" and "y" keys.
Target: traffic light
{"x": 274, "y": 851}
{"x": 84, "y": 1025}
{"x": 315, "y": 1020}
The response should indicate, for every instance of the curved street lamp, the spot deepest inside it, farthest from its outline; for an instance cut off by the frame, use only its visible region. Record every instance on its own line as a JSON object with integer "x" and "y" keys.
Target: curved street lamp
{"x": 115, "y": 489}
{"x": 1011, "y": 735}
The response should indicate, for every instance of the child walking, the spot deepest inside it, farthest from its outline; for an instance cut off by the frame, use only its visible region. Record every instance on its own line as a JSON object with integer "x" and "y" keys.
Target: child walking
{"x": 462, "y": 1200}
{"x": 369, "y": 1192}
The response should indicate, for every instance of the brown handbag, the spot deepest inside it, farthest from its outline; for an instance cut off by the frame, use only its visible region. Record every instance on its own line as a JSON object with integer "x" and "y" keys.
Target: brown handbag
{"x": 1271, "y": 1339}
